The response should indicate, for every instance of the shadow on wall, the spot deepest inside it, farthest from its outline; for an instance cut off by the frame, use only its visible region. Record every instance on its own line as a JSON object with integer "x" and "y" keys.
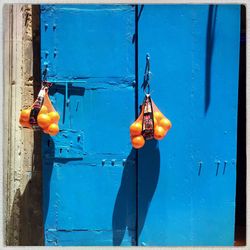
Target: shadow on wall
{"x": 50, "y": 204}
{"x": 211, "y": 21}
{"x": 124, "y": 214}
{"x": 26, "y": 213}
{"x": 48, "y": 163}
{"x": 149, "y": 171}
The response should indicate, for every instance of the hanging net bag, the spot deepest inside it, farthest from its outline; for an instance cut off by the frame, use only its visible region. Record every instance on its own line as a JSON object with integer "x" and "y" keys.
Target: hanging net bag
{"x": 41, "y": 115}
{"x": 151, "y": 123}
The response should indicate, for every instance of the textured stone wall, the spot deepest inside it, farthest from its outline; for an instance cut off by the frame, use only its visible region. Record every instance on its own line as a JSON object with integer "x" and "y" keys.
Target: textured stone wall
{"x": 23, "y": 163}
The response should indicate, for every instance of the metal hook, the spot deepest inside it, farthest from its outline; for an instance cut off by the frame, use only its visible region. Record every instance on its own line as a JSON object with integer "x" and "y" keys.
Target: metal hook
{"x": 45, "y": 84}
{"x": 45, "y": 72}
{"x": 147, "y": 74}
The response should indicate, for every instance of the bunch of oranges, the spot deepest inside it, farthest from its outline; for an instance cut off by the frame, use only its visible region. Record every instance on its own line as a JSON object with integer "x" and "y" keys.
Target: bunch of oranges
{"x": 161, "y": 127}
{"x": 45, "y": 120}
{"x": 137, "y": 139}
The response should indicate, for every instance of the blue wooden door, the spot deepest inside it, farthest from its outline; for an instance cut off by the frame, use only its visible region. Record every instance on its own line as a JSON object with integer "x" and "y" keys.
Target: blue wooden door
{"x": 89, "y": 55}
{"x": 179, "y": 191}
{"x": 194, "y": 59}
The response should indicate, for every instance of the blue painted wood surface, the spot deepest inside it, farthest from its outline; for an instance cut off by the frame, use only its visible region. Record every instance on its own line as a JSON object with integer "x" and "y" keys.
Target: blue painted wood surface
{"x": 194, "y": 62}
{"x": 83, "y": 165}
{"x": 186, "y": 182}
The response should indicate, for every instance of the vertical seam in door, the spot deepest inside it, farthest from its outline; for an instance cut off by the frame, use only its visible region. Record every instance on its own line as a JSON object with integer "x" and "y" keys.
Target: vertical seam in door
{"x": 136, "y": 115}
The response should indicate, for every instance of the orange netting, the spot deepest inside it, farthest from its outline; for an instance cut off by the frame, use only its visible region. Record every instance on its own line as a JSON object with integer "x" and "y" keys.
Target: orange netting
{"x": 150, "y": 124}
{"x": 41, "y": 115}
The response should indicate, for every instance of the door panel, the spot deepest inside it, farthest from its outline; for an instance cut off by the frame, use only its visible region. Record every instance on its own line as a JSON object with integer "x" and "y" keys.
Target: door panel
{"x": 89, "y": 54}
{"x": 91, "y": 41}
{"x": 186, "y": 182}
{"x": 194, "y": 62}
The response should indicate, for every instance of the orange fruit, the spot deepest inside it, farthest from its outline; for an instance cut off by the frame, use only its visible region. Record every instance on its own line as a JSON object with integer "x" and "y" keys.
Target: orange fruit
{"x": 155, "y": 122}
{"x": 43, "y": 120}
{"x": 165, "y": 123}
{"x": 54, "y": 116}
{"x": 25, "y": 124}
{"x": 43, "y": 110}
{"x": 138, "y": 141}
{"x": 158, "y": 115}
{"x": 53, "y": 129}
{"x": 135, "y": 128}
{"x": 159, "y": 132}
{"x": 25, "y": 115}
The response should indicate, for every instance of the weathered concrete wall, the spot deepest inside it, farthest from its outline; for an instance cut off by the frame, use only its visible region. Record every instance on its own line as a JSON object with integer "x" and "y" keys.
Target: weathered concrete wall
{"x": 23, "y": 158}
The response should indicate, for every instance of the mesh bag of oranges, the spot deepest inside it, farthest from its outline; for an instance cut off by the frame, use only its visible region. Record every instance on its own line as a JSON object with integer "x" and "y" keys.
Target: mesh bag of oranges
{"x": 41, "y": 115}
{"x": 150, "y": 124}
